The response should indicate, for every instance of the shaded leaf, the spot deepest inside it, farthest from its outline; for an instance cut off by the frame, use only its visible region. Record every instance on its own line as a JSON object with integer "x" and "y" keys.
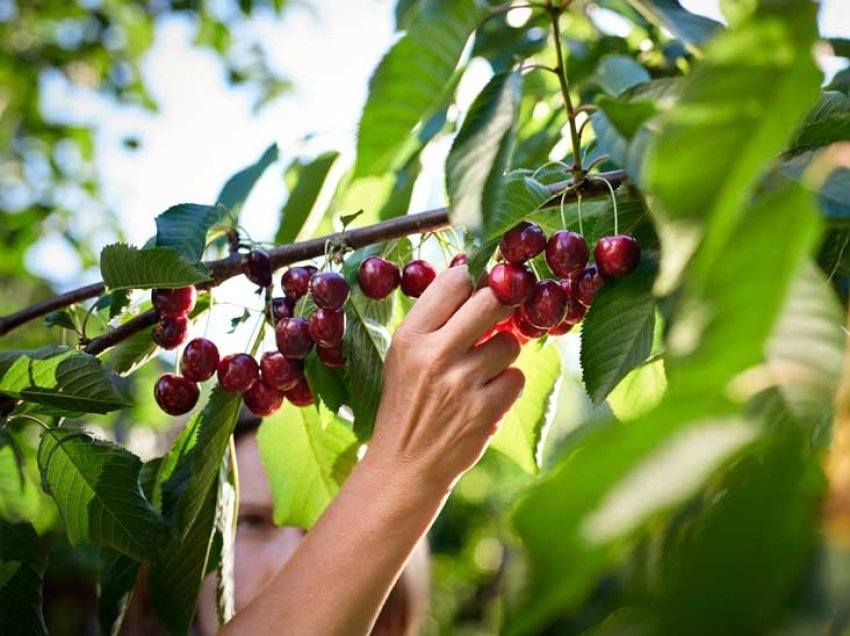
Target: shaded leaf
{"x": 828, "y": 122}
{"x": 616, "y": 73}
{"x": 327, "y": 385}
{"x": 130, "y": 354}
{"x": 126, "y": 267}
{"x": 689, "y": 27}
{"x": 305, "y": 182}
{"x": 22, "y": 566}
{"x": 520, "y": 197}
{"x": 117, "y": 580}
{"x": 239, "y": 186}
{"x": 60, "y": 318}
{"x": 184, "y": 228}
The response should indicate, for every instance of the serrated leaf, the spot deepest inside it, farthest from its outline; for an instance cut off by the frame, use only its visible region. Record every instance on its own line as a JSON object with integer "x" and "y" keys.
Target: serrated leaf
{"x": 409, "y": 82}
{"x": 520, "y": 197}
{"x": 130, "y": 354}
{"x": 59, "y": 378}
{"x": 239, "y": 186}
{"x": 184, "y": 228}
{"x": 480, "y": 152}
{"x": 828, "y": 122}
{"x": 118, "y": 574}
{"x": 305, "y": 182}
{"x": 126, "y": 267}
{"x": 22, "y": 566}
{"x": 60, "y": 318}
{"x": 95, "y": 485}
{"x": 689, "y": 27}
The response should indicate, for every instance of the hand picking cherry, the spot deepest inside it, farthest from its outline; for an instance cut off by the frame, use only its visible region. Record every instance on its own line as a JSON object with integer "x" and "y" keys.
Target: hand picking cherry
{"x": 263, "y": 399}
{"x": 332, "y": 357}
{"x": 416, "y": 276}
{"x": 292, "y": 336}
{"x": 511, "y": 284}
{"x": 175, "y": 395}
{"x": 378, "y": 277}
{"x": 200, "y": 360}
{"x": 329, "y": 290}
{"x": 327, "y": 327}
{"x": 257, "y": 267}
{"x": 300, "y": 395}
{"x": 566, "y": 253}
{"x": 547, "y": 305}
{"x": 617, "y": 255}
{"x": 171, "y": 331}
{"x": 281, "y": 372}
{"x": 522, "y": 242}
{"x": 295, "y": 282}
{"x": 172, "y": 302}
{"x": 238, "y": 372}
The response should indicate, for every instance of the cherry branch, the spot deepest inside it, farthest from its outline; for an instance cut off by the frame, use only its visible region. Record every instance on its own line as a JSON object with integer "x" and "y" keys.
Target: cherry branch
{"x": 226, "y": 268}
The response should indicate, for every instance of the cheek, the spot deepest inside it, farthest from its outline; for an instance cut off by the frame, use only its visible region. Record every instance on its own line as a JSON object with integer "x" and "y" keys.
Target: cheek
{"x": 259, "y": 556}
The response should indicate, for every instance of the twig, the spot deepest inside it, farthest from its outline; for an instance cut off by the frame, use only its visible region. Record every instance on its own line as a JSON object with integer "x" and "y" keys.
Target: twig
{"x": 578, "y": 172}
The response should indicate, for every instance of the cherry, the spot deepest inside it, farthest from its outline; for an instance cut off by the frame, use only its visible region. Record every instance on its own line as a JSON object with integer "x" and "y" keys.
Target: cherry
{"x": 459, "y": 259}
{"x": 378, "y": 277}
{"x": 295, "y": 282}
{"x": 238, "y": 372}
{"x": 586, "y": 286}
{"x": 175, "y": 395}
{"x": 293, "y": 338}
{"x": 522, "y": 242}
{"x": 171, "y": 302}
{"x": 281, "y": 372}
{"x": 171, "y": 331}
{"x": 200, "y": 360}
{"x": 523, "y": 326}
{"x": 311, "y": 269}
{"x": 617, "y": 255}
{"x": 327, "y": 327}
{"x": 511, "y": 284}
{"x": 416, "y": 276}
{"x": 329, "y": 290}
{"x": 257, "y": 267}
{"x": 263, "y": 399}
{"x": 561, "y": 329}
{"x": 332, "y": 357}
{"x": 547, "y": 305}
{"x": 300, "y": 395}
{"x": 575, "y": 310}
{"x": 282, "y": 307}
{"x": 566, "y": 253}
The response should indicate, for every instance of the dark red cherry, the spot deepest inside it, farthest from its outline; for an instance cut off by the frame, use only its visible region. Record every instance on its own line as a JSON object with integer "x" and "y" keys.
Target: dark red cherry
{"x": 200, "y": 360}
{"x": 332, "y": 356}
{"x": 522, "y": 242}
{"x": 575, "y": 310}
{"x": 171, "y": 331}
{"x": 311, "y": 269}
{"x": 566, "y": 253}
{"x": 282, "y": 307}
{"x": 295, "y": 281}
{"x": 523, "y": 326}
{"x": 281, "y": 372}
{"x": 238, "y": 372}
{"x": 257, "y": 267}
{"x": 329, "y": 290}
{"x": 416, "y": 276}
{"x": 327, "y": 327}
{"x": 300, "y": 395}
{"x": 172, "y": 302}
{"x": 459, "y": 259}
{"x": 293, "y": 338}
{"x": 617, "y": 255}
{"x": 263, "y": 399}
{"x": 547, "y": 305}
{"x": 378, "y": 277}
{"x": 586, "y": 286}
{"x": 511, "y": 284}
{"x": 175, "y": 395}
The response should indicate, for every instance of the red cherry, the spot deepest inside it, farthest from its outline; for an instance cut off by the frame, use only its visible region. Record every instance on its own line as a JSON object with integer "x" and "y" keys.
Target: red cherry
{"x": 282, "y": 307}
{"x": 617, "y": 255}
{"x": 522, "y": 242}
{"x": 200, "y": 360}
{"x": 293, "y": 338}
{"x": 378, "y": 277}
{"x": 171, "y": 331}
{"x": 311, "y": 269}
{"x": 511, "y": 284}
{"x": 295, "y": 282}
{"x": 523, "y": 326}
{"x": 300, "y": 395}
{"x": 172, "y": 302}
{"x": 561, "y": 329}
{"x": 257, "y": 267}
{"x": 327, "y": 327}
{"x": 175, "y": 395}
{"x": 547, "y": 305}
{"x": 416, "y": 276}
{"x": 575, "y": 310}
{"x": 238, "y": 372}
{"x": 566, "y": 253}
{"x": 329, "y": 290}
{"x": 332, "y": 357}
{"x": 459, "y": 259}
{"x": 585, "y": 288}
{"x": 263, "y": 399}
{"x": 281, "y": 372}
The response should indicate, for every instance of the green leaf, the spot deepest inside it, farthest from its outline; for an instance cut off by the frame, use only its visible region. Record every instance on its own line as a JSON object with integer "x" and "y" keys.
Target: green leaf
{"x": 60, "y": 318}
{"x": 305, "y": 181}
{"x": 480, "y": 255}
{"x": 22, "y": 566}
{"x": 625, "y": 116}
{"x": 520, "y": 197}
{"x": 834, "y": 193}
{"x": 117, "y": 580}
{"x": 130, "y": 354}
{"x": 184, "y": 228}
{"x": 239, "y": 186}
{"x": 126, "y": 267}
{"x": 409, "y": 83}
{"x": 60, "y": 378}
{"x": 522, "y": 432}
{"x": 616, "y": 73}
{"x": 19, "y": 497}
{"x": 398, "y": 201}
{"x": 327, "y": 385}
{"x": 307, "y": 455}
{"x": 96, "y": 487}
{"x": 616, "y": 335}
{"x": 828, "y": 122}
{"x": 480, "y": 152}
{"x": 689, "y": 27}
{"x": 639, "y": 392}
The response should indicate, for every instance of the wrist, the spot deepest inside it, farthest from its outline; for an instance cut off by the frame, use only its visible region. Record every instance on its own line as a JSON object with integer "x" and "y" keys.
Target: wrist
{"x": 406, "y": 480}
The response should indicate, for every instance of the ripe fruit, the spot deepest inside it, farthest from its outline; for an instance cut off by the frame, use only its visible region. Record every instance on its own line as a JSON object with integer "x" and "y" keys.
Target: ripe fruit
{"x": 617, "y": 255}
{"x": 459, "y": 259}
{"x": 327, "y": 327}
{"x": 329, "y": 290}
{"x": 511, "y": 284}
{"x": 547, "y": 305}
{"x": 561, "y": 329}
{"x": 172, "y": 302}
{"x": 523, "y": 325}
{"x": 281, "y": 372}
{"x": 293, "y": 338}
{"x": 378, "y": 277}
{"x": 586, "y": 286}
{"x": 171, "y": 331}
{"x": 332, "y": 357}
{"x": 416, "y": 276}
{"x": 257, "y": 267}
{"x": 295, "y": 282}
{"x": 175, "y": 395}
{"x": 200, "y": 360}
{"x": 575, "y": 310}
{"x": 282, "y": 307}
{"x": 263, "y": 399}
{"x": 300, "y": 395}
{"x": 522, "y": 242}
{"x": 238, "y": 372}
{"x": 566, "y": 253}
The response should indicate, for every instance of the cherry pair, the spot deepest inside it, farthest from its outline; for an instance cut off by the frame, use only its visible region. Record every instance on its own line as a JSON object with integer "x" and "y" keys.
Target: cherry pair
{"x": 378, "y": 277}
{"x": 173, "y": 306}
{"x": 178, "y": 394}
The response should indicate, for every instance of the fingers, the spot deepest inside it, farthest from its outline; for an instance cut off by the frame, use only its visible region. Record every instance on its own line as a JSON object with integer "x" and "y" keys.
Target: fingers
{"x": 440, "y": 301}
{"x": 474, "y": 318}
{"x": 501, "y": 393}
{"x": 488, "y": 360}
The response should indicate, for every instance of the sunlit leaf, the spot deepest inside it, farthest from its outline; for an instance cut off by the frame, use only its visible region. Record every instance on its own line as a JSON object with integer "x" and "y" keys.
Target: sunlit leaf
{"x": 126, "y": 267}
{"x": 690, "y": 27}
{"x": 184, "y": 228}
{"x": 239, "y": 186}
{"x": 305, "y": 181}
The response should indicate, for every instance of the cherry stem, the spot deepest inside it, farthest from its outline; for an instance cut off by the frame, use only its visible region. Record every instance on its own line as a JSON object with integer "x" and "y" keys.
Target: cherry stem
{"x": 580, "y": 224}
{"x": 25, "y": 416}
{"x": 578, "y": 172}
{"x": 613, "y": 200}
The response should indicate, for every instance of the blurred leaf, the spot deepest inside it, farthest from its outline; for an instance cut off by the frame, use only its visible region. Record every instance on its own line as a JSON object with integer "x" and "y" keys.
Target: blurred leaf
{"x": 693, "y": 29}
{"x": 328, "y": 385}
{"x": 404, "y": 11}
{"x": 626, "y": 116}
{"x": 96, "y": 487}
{"x": 307, "y": 454}
{"x": 60, "y": 378}
{"x": 126, "y": 267}
{"x": 834, "y": 193}
{"x": 616, "y": 73}
{"x": 130, "y": 354}
{"x": 184, "y": 228}
{"x": 22, "y": 566}
{"x": 60, "y": 318}
{"x": 117, "y": 580}
{"x": 639, "y": 392}
{"x": 398, "y": 202}
{"x": 307, "y": 180}
{"x": 239, "y": 186}
{"x": 408, "y": 84}
{"x": 19, "y": 497}
{"x": 226, "y": 518}
{"x": 480, "y": 255}
{"x": 828, "y": 122}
